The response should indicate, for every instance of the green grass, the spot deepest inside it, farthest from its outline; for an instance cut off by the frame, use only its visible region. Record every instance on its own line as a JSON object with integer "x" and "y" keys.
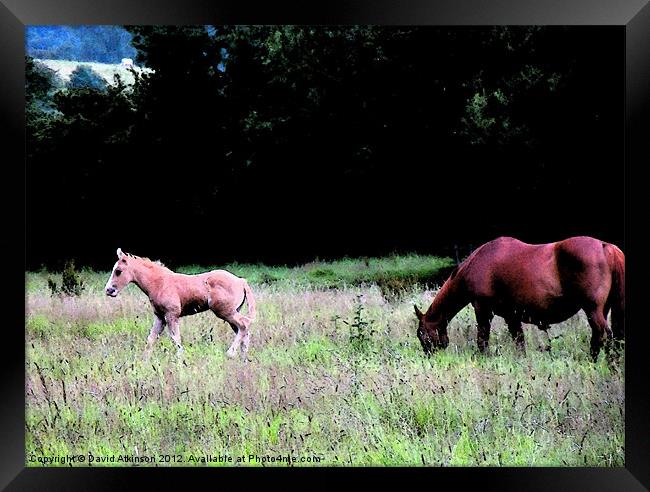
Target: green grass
{"x": 409, "y": 269}
{"x": 309, "y": 390}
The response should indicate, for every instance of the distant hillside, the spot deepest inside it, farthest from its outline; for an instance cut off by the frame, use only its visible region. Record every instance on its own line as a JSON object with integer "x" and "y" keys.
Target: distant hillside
{"x": 64, "y": 68}
{"x": 103, "y": 44}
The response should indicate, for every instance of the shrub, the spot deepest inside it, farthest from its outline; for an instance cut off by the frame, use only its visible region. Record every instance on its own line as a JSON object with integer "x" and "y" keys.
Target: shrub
{"x": 71, "y": 283}
{"x": 393, "y": 287}
{"x": 361, "y": 329}
{"x": 394, "y": 284}
{"x": 85, "y": 77}
{"x": 266, "y": 278}
{"x": 40, "y": 83}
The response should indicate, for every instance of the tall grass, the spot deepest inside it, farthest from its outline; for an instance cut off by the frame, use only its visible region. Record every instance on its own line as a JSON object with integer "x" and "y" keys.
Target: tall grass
{"x": 334, "y": 373}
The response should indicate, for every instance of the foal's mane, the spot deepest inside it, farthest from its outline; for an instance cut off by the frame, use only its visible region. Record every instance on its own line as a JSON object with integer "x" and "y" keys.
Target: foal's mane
{"x": 148, "y": 263}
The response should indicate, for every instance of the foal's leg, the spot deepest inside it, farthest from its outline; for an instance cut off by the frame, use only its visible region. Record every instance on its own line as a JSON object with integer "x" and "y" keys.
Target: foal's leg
{"x": 600, "y": 331}
{"x": 242, "y": 339}
{"x": 174, "y": 330}
{"x": 235, "y": 343}
{"x": 246, "y": 338}
{"x": 156, "y": 330}
{"x": 517, "y": 334}
{"x": 235, "y": 327}
{"x": 484, "y": 317}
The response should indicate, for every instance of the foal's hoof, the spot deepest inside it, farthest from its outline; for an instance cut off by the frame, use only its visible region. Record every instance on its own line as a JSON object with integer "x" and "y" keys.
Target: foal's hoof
{"x": 230, "y": 354}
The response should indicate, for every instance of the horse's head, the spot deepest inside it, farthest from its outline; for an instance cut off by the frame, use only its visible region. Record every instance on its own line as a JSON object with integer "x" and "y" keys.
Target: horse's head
{"x": 432, "y": 334}
{"x": 120, "y": 276}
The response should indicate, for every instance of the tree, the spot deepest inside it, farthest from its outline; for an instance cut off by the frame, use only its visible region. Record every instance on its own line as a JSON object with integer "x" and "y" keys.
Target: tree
{"x": 247, "y": 123}
{"x": 85, "y": 77}
{"x": 40, "y": 82}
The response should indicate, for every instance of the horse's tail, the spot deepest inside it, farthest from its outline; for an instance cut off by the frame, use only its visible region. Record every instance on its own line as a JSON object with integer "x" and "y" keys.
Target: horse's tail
{"x": 616, "y": 300}
{"x": 250, "y": 298}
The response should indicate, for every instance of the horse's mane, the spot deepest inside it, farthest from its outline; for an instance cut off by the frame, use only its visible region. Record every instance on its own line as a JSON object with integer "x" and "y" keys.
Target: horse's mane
{"x": 467, "y": 261}
{"x": 470, "y": 259}
{"x": 147, "y": 262}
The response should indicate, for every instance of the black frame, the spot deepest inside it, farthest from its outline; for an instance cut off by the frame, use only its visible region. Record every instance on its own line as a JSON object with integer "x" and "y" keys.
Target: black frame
{"x": 631, "y": 15}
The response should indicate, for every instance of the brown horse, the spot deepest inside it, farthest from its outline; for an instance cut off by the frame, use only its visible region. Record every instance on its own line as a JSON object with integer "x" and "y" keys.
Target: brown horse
{"x": 173, "y": 295}
{"x": 541, "y": 284}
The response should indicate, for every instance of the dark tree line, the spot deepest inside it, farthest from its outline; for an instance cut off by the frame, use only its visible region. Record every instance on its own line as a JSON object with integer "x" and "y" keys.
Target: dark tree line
{"x": 282, "y": 143}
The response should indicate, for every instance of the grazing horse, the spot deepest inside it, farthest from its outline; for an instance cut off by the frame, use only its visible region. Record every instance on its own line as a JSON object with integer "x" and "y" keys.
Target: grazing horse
{"x": 173, "y": 295}
{"x": 541, "y": 284}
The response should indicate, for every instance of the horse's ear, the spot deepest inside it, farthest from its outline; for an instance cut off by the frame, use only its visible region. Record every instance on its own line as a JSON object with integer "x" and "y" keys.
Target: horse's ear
{"x": 418, "y": 313}
{"x": 119, "y": 253}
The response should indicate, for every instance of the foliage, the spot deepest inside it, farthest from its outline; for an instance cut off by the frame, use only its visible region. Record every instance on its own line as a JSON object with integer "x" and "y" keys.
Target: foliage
{"x": 325, "y": 115}
{"x": 361, "y": 329}
{"x": 85, "y": 77}
{"x": 71, "y": 282}
{"x": 39, "y": 81}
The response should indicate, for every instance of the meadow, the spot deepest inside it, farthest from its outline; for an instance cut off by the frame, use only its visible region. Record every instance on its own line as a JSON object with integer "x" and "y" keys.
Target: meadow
{"x": 335, "y": 377}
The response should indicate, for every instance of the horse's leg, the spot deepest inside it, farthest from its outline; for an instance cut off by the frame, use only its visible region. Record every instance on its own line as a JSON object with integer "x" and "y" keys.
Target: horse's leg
{"x": 243, "y": 334}
{"x": 156, "y": 330}
{"x": 236, "y": 341}
{"x": 616, "y": 325}
{"x": 600, "y": 331}
{"x": 544, "y": 327}
{"x": 174, "y": 330}
{"x": 235, "y": 327}
{"x": 443, "y": 337}
{"x": 245, "y": 340}
{"x": 517, "y": 334}
{"x": 484, "y": 317}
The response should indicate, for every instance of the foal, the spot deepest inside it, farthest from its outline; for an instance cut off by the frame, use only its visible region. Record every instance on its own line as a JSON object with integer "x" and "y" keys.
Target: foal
{"x": 173, "y": 295}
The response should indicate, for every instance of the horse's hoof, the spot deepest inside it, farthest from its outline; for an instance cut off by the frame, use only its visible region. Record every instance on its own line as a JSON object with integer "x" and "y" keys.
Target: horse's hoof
{"x": 230, "y": 354}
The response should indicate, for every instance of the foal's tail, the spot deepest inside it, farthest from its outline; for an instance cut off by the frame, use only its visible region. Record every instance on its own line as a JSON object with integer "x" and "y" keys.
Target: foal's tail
{"x": 616, "y": 300}
{"x": 250, "y": 298}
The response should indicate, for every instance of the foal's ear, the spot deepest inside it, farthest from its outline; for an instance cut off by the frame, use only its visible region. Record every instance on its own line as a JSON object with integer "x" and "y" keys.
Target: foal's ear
{"x": 119, "y": 253}
{"x": 418, "y": 313}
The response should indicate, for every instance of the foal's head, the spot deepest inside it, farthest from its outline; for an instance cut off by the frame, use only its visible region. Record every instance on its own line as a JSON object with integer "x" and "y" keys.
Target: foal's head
{"x": 432, "y": 335}
{"x": 121, "y": 274}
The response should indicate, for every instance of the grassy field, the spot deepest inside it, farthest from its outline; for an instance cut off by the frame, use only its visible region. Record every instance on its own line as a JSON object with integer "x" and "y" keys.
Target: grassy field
{"x": 336, "y": 376}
